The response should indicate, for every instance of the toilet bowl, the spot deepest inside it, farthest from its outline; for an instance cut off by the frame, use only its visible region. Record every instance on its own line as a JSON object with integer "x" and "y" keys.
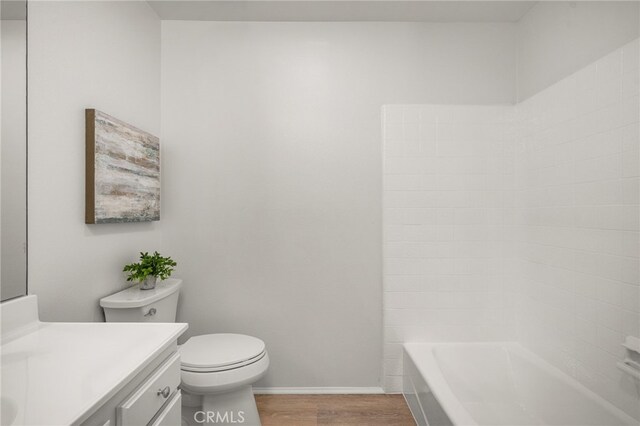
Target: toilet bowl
{"x": 217, "y": 370}
{"x": 217, "y": 373}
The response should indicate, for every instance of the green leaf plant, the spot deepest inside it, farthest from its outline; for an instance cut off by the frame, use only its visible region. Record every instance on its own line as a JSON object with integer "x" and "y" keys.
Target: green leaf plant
{"x": 155, "y": 264}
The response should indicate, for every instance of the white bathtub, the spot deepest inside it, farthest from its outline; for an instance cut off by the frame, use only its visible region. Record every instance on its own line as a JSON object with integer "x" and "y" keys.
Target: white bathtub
{"x": 497, "y": 384}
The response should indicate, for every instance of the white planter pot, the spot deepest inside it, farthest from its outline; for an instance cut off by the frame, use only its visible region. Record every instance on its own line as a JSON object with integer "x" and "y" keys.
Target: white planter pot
{"x": 149, "y": 283}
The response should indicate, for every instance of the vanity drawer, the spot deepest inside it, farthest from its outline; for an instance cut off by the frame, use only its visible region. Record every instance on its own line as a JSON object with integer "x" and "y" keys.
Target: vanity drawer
{"x": 172, "y": 412}
{"x": 147, "y": 400}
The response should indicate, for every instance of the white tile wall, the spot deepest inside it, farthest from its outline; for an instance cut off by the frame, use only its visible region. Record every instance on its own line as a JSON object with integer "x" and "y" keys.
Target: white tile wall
{"x": 577, "y": 198}
{"x": 505, "y": 222}
{"x": 448, "y": 177}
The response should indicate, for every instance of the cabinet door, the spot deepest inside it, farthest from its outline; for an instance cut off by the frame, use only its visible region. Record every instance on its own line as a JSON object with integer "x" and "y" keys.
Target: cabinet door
{"x": 147, "y": 400}
{"x": 170, "y": 415}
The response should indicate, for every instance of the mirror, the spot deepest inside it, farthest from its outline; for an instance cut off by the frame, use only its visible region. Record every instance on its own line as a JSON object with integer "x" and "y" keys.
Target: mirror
{"x": 13, "y": 149}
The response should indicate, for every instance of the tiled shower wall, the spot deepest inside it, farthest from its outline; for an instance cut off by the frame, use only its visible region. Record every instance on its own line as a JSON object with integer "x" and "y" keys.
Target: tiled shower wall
{"x": 519, "y": 222}
{"x": 448, "y": 176}
{"x": 577, "y": 190}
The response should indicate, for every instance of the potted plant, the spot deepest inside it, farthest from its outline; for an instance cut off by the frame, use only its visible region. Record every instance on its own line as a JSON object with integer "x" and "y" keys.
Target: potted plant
{"x": 149, "y": 269}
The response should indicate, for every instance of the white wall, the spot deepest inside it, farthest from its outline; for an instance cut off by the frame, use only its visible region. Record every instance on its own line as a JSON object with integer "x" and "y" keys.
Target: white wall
{"x": 103, "y": 55}
{"x": 563, "y": 245}
{"x": 557, "y": 38}
{"x": 448, "y": 193}
{"x": 13, "y": 157}
{"x": 568, "y": 235}
{"x": 272, "y": 174}
{"x": 578, "y": 191}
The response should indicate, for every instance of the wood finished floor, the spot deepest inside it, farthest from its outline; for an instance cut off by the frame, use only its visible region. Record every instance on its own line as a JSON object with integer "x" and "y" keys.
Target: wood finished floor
{"x": 344, "y": 410}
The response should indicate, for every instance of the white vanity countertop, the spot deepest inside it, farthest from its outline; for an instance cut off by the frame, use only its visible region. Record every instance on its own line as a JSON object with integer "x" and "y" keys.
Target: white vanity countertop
{"x": 60, "y": 373}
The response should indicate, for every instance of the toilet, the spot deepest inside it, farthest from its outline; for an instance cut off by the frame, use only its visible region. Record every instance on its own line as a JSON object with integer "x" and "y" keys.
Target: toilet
{"x": 217, "y": 370}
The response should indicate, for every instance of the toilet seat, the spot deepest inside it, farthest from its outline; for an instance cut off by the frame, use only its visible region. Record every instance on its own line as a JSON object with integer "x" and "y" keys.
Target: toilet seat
{"x": 218, "y": 363}
{"x": 211, "y": 353}
{"x": 223, "y": 368}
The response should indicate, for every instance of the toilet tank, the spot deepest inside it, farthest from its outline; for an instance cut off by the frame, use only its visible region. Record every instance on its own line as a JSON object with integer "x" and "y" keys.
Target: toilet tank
{"x": 135, "y": 305}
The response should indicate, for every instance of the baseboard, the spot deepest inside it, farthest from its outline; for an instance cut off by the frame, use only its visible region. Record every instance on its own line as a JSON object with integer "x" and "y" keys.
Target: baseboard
{"x": 320, "y": 390}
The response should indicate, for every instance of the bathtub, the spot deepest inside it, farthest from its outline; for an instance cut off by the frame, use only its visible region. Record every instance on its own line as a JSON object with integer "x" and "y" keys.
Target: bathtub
{"x": 496, "y": 384}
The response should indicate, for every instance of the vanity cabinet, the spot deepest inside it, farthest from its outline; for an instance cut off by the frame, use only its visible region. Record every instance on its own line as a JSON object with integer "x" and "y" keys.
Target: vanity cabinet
{"x": 171, "y": 414}
{"x": 111, "y": 374}
{"x": 147, "y": 401}
{"x": 151, "y": 398}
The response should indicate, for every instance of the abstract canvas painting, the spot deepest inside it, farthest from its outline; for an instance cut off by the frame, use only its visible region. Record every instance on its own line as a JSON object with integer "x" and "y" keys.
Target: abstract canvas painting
{"x": 122, "y": 171}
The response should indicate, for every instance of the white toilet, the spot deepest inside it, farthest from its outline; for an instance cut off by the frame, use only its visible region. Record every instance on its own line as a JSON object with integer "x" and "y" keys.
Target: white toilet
{"x": 217, "y": 369}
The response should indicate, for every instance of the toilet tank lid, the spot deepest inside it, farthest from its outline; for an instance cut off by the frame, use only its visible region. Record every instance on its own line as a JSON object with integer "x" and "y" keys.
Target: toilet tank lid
{"x": 133, "y": 297}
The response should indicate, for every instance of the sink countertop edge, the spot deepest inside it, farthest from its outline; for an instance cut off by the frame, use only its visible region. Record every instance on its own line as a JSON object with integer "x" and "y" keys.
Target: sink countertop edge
{"x": 87, "y": 411}
{"x": 42, "y": 337}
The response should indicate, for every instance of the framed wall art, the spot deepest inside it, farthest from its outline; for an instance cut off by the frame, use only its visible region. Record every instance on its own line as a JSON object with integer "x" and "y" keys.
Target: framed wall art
{"x": 122, "y": 171}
